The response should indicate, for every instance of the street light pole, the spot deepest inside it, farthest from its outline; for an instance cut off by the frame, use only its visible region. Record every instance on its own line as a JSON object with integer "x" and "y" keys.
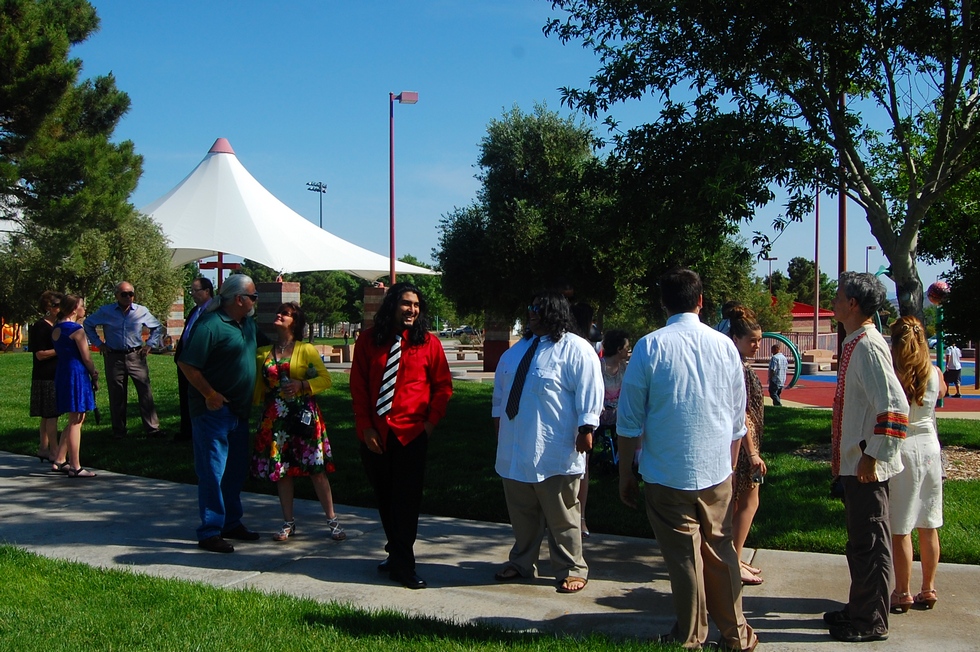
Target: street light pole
{"x": 405, "y": 97}
{"x": 321, "y": 188}
{"x": 770, "y": 272}
{"x": 867, "y": 250}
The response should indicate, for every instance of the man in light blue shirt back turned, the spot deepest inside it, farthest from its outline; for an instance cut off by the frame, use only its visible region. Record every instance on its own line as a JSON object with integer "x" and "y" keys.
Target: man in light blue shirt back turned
{"x": 683, "y": 396}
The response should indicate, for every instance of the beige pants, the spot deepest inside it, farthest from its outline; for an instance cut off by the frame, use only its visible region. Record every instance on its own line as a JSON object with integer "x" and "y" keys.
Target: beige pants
{"x": 552, "y": 503}
{"x": 694, "y": 529}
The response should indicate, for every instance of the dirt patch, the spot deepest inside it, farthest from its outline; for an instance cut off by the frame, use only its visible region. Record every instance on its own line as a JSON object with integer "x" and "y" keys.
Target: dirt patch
{"x": 961, "y": 463}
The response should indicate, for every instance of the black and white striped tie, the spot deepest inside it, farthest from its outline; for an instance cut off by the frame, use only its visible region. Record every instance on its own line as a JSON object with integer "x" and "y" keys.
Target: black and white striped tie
{"x": 387, "y": 391}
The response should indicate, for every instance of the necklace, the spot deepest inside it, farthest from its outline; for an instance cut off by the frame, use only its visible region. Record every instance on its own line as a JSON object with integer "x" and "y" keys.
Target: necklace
{"x": 281, "y": 348}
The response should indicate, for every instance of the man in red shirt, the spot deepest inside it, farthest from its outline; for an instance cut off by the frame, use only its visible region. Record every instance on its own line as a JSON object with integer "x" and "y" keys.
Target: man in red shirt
{"x": 400, "y": 386}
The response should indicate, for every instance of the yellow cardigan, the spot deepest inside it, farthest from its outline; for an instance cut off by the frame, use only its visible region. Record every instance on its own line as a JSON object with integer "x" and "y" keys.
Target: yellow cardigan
{"x": 303, "y": 355}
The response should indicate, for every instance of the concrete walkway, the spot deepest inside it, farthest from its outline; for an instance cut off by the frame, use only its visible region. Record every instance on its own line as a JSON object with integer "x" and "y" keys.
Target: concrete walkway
{"x": 147, "y": 526}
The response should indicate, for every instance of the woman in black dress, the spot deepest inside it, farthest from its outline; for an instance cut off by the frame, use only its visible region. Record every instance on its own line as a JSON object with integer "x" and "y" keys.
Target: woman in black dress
{"x": 43, "y": 403}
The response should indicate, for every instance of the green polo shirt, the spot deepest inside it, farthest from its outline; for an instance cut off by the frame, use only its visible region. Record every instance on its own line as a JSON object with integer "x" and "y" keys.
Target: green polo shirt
{"x": 224, "y": 350}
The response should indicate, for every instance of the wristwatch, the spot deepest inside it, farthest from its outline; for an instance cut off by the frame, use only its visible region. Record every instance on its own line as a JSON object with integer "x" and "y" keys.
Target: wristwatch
{"x": 585, "y": 429}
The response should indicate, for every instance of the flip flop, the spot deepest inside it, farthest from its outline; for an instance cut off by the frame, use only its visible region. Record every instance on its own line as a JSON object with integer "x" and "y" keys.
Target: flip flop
{"x": 565, "y": 586}
{"x": 509, "y": 574}
{"x": 751, "y": 569}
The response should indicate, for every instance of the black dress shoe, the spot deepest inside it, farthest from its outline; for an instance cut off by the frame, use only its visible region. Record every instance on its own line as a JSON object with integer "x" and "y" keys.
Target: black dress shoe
{"x": 241, "y": 533}
{"x": 158, "y": 434}
{"x": 408, "y": 579}
{"x": 383, "y": 566}
{"x": 847, "y": 633}
{"x": 837, "y": 618}
{"x": 215, "y": 544}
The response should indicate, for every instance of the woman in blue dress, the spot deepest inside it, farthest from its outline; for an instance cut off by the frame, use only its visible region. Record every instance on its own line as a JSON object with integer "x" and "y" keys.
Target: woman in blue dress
{"x": 76, "y": 380}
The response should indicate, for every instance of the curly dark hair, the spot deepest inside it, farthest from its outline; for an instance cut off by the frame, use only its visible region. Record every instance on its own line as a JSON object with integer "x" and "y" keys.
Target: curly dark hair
{"x": 554, "y": 313}
{"x": 386, "y": 324}
{"x": 299, "y": 319}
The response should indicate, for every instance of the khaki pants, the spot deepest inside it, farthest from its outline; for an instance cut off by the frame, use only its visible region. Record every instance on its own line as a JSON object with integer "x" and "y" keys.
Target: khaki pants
{"x": 694, "y": 529}
{"x": 552, "y": 502}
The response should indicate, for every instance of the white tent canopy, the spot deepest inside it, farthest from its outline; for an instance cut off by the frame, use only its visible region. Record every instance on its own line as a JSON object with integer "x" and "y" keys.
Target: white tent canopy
{"x": 221, "y": 208}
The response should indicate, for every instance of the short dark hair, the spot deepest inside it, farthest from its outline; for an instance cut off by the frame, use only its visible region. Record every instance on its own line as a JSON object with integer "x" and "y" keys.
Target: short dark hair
{"x": 775, "y": 348}
{"x": 680, "y": 290}
{"x": 384, "y": 320}
{"x": 206, "y": 284}
{"x": 613, "y": 341}
{"x": 49, "y": 299}
{"x": 299, "y": 319}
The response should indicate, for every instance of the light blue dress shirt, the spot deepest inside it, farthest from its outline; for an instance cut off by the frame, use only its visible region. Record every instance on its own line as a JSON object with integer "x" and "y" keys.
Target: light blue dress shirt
{"x": 563, "y": 391}
{"x": 123, "y": 330}
{"x": 684, "y": 394}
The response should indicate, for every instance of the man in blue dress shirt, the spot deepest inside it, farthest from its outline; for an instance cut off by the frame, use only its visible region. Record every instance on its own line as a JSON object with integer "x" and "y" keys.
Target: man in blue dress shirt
{"x": 124, "y": 353}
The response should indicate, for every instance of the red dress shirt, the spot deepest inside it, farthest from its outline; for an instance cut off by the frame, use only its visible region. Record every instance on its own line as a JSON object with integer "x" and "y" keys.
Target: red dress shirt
{"x": 422, "y": 388}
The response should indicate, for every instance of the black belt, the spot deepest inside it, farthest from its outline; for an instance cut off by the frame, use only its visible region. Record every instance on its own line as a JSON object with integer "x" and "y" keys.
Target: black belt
{"x": 124, "y": 351}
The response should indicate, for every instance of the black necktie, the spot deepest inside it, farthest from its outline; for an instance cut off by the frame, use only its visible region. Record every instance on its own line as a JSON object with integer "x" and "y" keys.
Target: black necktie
{"x": 514, "y": 400}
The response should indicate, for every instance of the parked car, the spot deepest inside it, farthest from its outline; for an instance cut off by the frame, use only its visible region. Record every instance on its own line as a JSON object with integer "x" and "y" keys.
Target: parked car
{"x": 932, "y": 342}
{"x": 464, "y": 330}
{"x": 446, "y": 332}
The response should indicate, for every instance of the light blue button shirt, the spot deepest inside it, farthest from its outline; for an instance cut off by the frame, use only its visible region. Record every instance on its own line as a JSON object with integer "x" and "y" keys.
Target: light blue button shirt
{"x": 123, "y": 330}
{"x": 684, "y": 394}
{"x": 563, "y": 391}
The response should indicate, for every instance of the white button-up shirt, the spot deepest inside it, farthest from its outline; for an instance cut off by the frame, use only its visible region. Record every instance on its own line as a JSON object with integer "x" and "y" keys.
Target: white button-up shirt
{"x": 684, "y": 394}
{"x": 563, "y": 390}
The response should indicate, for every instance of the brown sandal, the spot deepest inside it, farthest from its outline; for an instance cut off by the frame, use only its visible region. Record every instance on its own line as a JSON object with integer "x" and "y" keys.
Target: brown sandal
{"x": 900, "y": 602}
{"x": 926, "y": 599}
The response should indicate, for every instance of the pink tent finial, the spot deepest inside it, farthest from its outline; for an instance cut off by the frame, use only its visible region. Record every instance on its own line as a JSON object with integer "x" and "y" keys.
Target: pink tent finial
{"x": 221, "y": 146}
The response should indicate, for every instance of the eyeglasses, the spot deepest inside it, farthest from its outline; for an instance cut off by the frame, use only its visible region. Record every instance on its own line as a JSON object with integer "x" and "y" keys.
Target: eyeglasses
{"x": 193, "y": 289}
{"x": 127, "y": 294}
{"x": 253, "y": 297}
{"x": 534, "y": 307}
{"x": 285, "y": 313}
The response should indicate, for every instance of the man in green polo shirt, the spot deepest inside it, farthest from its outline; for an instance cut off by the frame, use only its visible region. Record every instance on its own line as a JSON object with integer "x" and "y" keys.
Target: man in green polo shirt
{"x": 219, "y": 363}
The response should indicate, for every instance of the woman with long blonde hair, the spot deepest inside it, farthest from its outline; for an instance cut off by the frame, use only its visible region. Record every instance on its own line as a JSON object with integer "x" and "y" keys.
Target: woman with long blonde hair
{"x": 916, "y": 494}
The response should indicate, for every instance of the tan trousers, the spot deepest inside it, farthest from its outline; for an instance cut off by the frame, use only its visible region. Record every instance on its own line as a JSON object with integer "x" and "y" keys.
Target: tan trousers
{"x": 552, "y": 502}
{"x": 694, "y": 529}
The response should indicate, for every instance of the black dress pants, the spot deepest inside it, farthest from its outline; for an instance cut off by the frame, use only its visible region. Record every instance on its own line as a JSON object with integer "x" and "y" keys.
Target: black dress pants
{"x": 869, "y": 553}
{"x": 397, "y": 476}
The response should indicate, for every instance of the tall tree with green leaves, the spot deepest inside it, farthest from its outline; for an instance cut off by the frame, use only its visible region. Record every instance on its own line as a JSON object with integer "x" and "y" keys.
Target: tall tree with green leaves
{"x": 65, "y": 184}
{"x": 861, "y": 81}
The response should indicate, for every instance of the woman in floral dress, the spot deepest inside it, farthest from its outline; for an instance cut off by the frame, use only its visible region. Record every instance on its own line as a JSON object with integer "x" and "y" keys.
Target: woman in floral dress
{"x": 292, "y": 438}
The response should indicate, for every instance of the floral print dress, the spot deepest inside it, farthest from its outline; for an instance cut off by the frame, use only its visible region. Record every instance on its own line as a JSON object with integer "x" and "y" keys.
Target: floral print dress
{"x": 277, "y": 453}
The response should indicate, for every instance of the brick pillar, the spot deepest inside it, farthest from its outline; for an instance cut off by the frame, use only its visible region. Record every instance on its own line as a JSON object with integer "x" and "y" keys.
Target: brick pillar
{"x": 496, "y": 341}
{"x": 373, "y": 296}
{"x": 175, "y": 321}
{"x": 271, "y": 296}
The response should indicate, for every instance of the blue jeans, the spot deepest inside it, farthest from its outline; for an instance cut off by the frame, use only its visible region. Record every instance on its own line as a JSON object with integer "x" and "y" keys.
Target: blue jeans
{"x": 221, "y": 463}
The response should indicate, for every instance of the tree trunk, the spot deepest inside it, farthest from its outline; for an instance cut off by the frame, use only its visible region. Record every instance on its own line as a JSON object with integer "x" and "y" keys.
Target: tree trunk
{"x": 908, "y": 286}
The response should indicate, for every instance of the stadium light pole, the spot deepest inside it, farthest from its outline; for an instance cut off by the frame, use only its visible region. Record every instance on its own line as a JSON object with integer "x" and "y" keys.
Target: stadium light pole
{"x": 321, "y": 188}
{"x": 405, "y": 97}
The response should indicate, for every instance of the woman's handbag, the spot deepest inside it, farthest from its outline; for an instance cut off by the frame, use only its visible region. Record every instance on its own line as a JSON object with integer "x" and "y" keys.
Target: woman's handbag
{"x": 299, "y": 421}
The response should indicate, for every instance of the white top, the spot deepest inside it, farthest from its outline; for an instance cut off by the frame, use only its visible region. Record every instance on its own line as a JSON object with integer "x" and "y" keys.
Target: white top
{"x": 869, "y": 406}
{"x": 953, "y": 357}
{"x": 684, "y": 394}
{"x": 563, "y": 391}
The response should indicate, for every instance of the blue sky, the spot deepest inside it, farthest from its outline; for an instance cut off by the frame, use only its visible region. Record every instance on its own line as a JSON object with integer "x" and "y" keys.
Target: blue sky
{"x": 300, "y": 89}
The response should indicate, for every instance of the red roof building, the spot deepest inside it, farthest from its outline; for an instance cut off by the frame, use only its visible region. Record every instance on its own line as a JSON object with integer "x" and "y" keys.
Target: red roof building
{"x": 803, "y": 319}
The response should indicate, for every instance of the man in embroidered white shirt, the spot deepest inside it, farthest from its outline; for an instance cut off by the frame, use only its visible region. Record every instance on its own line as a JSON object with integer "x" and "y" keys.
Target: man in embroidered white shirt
{"x": 684, "y": 396}
{"x": 869, "y": 425}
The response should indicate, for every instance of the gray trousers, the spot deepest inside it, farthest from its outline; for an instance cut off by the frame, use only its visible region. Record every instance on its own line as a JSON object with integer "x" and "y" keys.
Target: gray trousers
{"x": 869, "y": 553}
{"x": 552, "y": 502}
{"x": 119, "y": 368}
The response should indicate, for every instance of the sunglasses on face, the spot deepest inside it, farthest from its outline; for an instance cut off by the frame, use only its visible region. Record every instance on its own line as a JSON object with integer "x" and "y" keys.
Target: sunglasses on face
{"x": 285, "y": 313}
{"x": 534, "y": 308}
{"x": 127, "y": 294}
{"x": 252, "y": 297}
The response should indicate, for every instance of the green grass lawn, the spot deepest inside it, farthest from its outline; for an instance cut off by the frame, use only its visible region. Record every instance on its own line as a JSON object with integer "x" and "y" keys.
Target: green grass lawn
{"x": 54, "y": 605}
{"x": 797, "y": 512}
